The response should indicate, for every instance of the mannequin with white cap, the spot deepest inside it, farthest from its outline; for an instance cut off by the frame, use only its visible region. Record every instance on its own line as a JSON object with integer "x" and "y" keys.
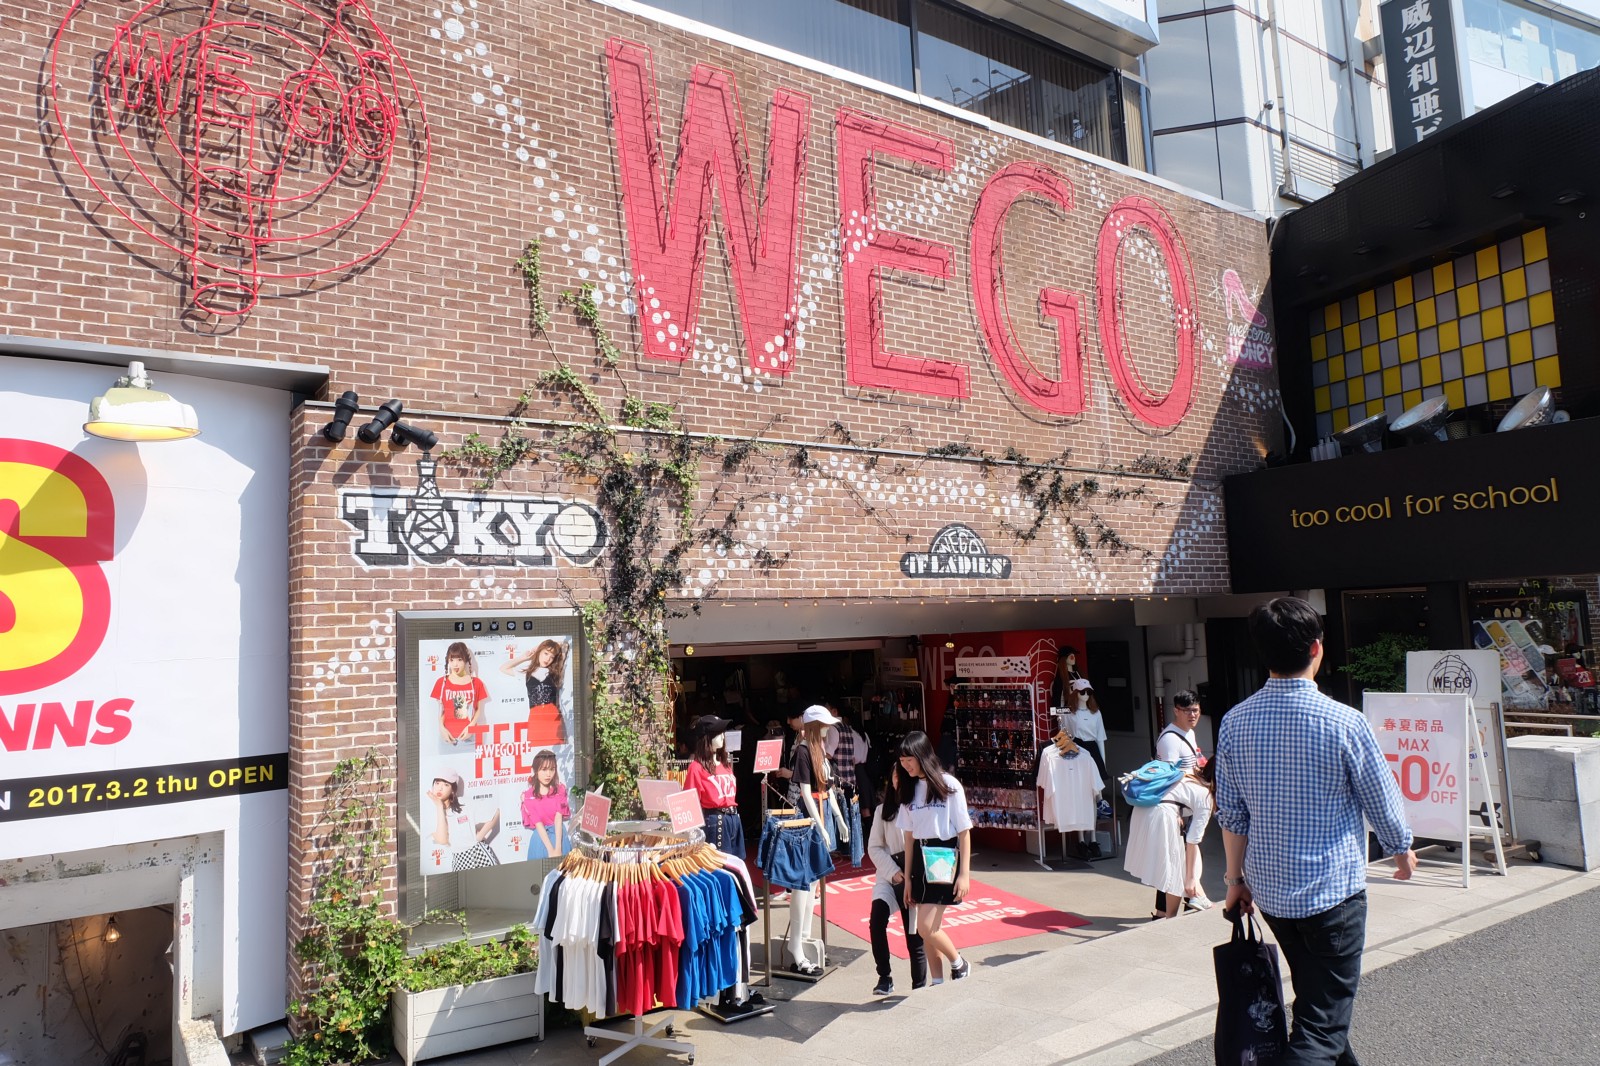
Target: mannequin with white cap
{"x": 1088, "y": 729}
{"x": 809, "y": 780}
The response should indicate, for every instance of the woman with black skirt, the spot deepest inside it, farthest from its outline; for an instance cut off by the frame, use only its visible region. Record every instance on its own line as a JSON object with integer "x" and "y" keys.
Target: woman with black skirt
{"x": 938, "y": 835}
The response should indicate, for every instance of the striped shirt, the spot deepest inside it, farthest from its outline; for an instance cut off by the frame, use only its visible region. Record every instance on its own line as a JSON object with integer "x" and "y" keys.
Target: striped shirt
{"x": 1296, "y": 773}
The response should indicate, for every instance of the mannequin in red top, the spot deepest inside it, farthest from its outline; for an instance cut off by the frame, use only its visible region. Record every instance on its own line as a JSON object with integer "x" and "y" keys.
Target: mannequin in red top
{"x": 711, "y": 775}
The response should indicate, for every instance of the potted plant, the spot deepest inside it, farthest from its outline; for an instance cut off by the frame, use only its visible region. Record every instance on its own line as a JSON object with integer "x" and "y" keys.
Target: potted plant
{"x": 359, "y": 989}
{"x": 462, "y": 996}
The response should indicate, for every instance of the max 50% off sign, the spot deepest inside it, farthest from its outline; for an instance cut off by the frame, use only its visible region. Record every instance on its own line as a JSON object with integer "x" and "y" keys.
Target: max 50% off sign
{"x": 1424, "y": 738}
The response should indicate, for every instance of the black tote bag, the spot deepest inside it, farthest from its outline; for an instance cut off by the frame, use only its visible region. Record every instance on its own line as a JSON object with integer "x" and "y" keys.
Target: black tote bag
{"x": 1252, "y": 1029}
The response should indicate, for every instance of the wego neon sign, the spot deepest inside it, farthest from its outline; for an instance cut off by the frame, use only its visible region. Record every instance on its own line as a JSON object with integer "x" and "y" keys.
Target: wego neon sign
{"x": 669, "y": 217}
{"x": 272, "y": 146}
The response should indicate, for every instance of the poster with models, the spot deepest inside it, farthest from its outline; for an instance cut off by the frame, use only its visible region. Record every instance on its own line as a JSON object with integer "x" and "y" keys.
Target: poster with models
{"x": 495, "y": 750}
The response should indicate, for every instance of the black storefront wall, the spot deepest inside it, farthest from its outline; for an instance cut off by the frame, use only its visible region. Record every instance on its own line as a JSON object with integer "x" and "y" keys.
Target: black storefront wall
{"x": 1493, "y": 506}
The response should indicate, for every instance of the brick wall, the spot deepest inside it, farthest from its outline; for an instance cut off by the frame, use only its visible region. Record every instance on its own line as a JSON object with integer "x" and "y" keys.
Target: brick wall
{"x": 517, "y": 144}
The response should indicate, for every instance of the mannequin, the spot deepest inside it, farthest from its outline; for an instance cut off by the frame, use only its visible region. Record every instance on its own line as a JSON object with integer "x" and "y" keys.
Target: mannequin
{"x": 809, "y": 781}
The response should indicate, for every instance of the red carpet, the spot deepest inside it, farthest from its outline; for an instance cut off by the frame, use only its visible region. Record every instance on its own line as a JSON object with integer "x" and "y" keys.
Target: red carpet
{"x": 987, "y": 917}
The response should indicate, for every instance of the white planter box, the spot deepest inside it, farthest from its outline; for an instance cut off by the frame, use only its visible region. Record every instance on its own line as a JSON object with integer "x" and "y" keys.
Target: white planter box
{"x": 446, "y": 1021}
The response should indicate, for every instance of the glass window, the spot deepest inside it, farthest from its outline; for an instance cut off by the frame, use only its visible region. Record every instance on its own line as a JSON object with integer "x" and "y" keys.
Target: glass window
{"x": 1529, "y": 44}
{"x": 1016, "y": 80}
{"x": 869, "y": 37}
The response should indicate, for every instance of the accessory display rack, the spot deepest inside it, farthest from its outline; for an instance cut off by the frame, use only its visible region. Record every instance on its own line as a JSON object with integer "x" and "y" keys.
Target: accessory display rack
{"x": 997, "y": 749}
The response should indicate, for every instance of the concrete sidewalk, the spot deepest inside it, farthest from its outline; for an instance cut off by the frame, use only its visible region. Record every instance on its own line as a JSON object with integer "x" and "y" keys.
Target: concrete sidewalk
{"x": 1106, "y": 1001}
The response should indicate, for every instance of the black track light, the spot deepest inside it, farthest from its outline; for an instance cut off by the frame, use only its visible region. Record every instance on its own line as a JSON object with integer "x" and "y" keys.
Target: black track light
{"x": 344, "y": 409}
{"x": 405, "y": 433}
{"x": 388, "y": 414}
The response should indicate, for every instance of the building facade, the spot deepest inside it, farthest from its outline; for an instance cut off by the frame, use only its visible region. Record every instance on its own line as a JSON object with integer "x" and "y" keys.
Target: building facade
{"x": 874, "y": 343}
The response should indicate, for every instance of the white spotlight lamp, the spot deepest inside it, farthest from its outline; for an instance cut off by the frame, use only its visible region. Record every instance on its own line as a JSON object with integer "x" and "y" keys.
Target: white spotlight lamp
{"x": 133, "y": 410}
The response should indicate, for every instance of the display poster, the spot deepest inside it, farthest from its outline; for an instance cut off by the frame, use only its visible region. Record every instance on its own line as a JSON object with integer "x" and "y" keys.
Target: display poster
{"x": 1425, "y": 741}
{"x": 495, "y": 752}
{"x": 138, "y": 668}
{"x": 1476, "y": 675}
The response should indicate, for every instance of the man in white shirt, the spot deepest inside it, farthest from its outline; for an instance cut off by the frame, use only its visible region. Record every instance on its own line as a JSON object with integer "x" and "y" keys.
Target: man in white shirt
{"x": 1178, "y": 744}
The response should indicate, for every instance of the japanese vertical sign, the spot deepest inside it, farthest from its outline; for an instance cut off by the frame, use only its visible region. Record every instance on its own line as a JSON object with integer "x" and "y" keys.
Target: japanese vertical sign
{"x": 1419, "y": 49}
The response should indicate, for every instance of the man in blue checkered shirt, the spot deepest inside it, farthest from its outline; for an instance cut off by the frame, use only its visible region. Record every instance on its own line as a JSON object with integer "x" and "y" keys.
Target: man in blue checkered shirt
{"x": 1297, "y": 773}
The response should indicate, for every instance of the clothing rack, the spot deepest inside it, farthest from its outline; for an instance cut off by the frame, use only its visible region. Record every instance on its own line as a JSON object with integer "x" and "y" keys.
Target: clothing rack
{"x": 619, "y": 843}
{"x": 766, "y": 908}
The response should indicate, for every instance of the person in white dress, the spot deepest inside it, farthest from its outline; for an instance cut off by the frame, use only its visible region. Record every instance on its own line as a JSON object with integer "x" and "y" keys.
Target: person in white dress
{"x": 1159, "y": 853}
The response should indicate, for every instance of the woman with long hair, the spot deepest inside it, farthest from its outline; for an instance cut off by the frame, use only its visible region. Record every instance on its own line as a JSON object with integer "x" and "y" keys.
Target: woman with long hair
{"x": 938, "y": 838}
{"x": 460, "y": 693}
{"x": 886, "y": 845}
{"x": 1160, "y": 853}
{"x": 711, "y": 775}
{"x": 542, "y": 670}
{"x": 545, "y": 807}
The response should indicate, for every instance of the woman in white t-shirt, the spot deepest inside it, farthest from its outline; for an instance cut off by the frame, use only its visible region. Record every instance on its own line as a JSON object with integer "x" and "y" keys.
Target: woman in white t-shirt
{"x": 933, "y": 816}
{"x": 454, "y": 828}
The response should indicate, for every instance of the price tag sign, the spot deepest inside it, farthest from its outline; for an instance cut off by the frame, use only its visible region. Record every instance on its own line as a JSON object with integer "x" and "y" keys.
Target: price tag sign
{"x": 769, "y": 753}
{"x": 653, "y": 794}
{"x": 595, "y": 814}
{"x": 684, "y": 810}
{"x": 733, "y": 740}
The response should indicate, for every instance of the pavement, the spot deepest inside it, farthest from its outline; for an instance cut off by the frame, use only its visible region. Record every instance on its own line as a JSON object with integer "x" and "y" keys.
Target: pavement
{"x": 1118, "y": 991}
{"x": 1521, "y": 991}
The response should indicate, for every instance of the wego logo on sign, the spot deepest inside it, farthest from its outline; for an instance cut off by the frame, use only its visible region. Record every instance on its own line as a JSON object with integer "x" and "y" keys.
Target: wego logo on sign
{"x": 1453, "y": 676}
{"x": 432, "y": 528}
{"x": 956, "y": 552}
{"x": 249, "y": 139}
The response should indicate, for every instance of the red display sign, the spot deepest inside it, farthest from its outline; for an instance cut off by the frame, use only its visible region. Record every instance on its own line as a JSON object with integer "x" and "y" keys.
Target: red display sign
{"x": 653, "y": 794}
{"x": 769, "y": 754}
{"x": 684, "y": 810}
{"x": 595, "y": 815}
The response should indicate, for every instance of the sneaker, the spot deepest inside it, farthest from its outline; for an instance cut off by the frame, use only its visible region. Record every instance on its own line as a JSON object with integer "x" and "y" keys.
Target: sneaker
{"x": 884, "y": 986}
{"x": 960, "y": 970}
{"x": 1198, "y": 903}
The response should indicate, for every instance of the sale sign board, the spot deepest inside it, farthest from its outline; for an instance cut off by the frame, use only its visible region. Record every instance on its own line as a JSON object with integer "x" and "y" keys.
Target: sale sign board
{"x": 1475, "y": 674}
{"x": 653, "y": 794}
{"x": 684, "y": 810}
{"x": 1425, "y": 739}
{"x": 769, "y": 754}
{"x": 595, "y": 814}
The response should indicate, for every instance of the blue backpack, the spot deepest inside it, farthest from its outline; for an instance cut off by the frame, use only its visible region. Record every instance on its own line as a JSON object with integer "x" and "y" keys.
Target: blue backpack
{"x": 1145, "y": 786}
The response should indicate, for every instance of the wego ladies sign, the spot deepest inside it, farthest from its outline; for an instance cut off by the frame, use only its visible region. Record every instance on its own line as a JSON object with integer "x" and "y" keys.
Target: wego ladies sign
{"x": 251, "y": 138}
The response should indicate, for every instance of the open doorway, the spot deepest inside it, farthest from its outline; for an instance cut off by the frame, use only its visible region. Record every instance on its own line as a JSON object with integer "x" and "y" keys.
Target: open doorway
{"x": 98, "y": 990}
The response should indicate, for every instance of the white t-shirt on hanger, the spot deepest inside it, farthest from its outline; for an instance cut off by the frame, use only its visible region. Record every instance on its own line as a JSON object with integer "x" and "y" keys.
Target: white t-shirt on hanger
{"x": 1071, "y": 790}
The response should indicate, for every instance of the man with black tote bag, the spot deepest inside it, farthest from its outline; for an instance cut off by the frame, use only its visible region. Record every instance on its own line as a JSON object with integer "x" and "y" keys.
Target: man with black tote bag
{"x": 1298, "y": 778}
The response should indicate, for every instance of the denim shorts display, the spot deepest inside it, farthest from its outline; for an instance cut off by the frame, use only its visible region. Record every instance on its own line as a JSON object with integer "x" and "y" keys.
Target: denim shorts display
{"x": 850, "y": 812}
{"x": 799, "y": 857}
{"x": 725, "y": 832}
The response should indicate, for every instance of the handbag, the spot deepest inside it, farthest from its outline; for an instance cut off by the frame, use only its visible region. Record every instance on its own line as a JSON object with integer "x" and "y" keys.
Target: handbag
{"x": 1252, "y": 1028}
{"x": 938, "y": 865}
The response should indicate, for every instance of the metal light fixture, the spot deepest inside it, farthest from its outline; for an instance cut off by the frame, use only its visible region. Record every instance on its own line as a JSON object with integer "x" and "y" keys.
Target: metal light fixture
{"x": 344, "y": 409}
{"x": 405, "y": 433}
{"x": 1366, "y": 435}
{"x": 133, "y": 410}
{"x": 113, "y": 934}
{"x": 1534, "y": 409}
{"x": 388, "y": 414}
{"x": 1423, "y": 422}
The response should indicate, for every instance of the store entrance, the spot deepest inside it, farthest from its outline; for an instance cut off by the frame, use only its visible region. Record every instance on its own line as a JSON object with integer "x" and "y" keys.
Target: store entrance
{"x": 103, "y": 987}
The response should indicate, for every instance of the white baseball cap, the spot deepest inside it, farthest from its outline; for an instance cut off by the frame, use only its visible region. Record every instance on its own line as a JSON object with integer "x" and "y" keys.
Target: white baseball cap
{"x": 1081, "y": 685}
{"x": 818, "y": 713}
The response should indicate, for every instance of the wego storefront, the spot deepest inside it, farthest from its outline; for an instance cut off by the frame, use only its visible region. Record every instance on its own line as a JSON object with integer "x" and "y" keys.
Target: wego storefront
{"x": 558, "y": 335}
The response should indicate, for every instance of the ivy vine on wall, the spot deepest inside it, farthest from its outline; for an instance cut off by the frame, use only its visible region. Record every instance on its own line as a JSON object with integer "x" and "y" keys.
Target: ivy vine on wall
{"x": 645, "y": 465}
